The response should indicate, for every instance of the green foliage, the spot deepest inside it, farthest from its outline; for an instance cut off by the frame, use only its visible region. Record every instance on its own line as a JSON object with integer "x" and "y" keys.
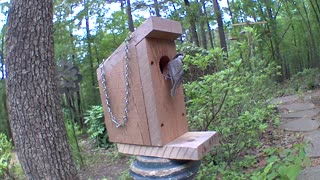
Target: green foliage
{"x": 76, "y": 154}
{"x": 5, "y": 156}
{"x": 125, "y": 175}
{"x": 284, "y": 164}
{"x": 233, "y": 102}
{"x": 97, "y": 130}
{"x": 308, "y": 79}
{"x": 3, "y": 109}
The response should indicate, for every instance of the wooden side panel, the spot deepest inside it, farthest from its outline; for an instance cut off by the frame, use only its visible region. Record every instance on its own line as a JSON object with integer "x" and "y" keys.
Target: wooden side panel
{"x": 166, "y": 114}
{"x": 148, "y": 92}
{"x": 136, "y": 130}
{"x": 171, "y": 111}
{"x": 190, "y": 146}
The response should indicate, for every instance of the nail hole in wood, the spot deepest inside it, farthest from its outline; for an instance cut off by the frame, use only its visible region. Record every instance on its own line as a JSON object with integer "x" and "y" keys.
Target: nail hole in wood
{"x": 162, "y": 124}
{"x": 152, "y": 63}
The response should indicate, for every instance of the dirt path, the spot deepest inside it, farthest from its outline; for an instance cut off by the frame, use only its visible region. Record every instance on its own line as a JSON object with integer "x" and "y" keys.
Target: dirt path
{"x": 102, "y": 163}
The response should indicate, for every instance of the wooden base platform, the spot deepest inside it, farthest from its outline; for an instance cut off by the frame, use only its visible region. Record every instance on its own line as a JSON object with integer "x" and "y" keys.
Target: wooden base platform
{"x": 190, "y": 146}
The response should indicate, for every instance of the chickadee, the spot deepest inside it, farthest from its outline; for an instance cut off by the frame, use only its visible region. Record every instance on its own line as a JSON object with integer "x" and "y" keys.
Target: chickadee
{"x": 175, "y": 68}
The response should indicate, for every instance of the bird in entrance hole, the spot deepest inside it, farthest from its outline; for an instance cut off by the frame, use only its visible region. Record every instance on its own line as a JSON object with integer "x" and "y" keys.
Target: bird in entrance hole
{"x": 175, "y": 68}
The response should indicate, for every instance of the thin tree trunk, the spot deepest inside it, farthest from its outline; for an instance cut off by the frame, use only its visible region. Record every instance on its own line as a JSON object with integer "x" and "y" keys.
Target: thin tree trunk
{"x": 90, "y": 55}
{"x": 93, "y": 82}
{"x": 202, "y": 29}
{"x": 175, "y": 9}
{"x": 315, "y": 56}
{"x": 78, "y": 112}
{"x": 2, "y": 55}
{"x": 193, "y": 28}
{"x": 313, "y": 50}
{"x": 222, "y": 36}
{"x": 130, "y": 20}
{"x": 122, "y": 5}
{"x": 211, "y": 36}
{"x": 156, "y": 8}
{"x": 34, "y": 103}
{"x": 316, "y": 12}
{"x": 318, "y": 5}
{"x": 230, "y": 12}
{"x": 79, "y": 109}
{"x": 274, "y": 40}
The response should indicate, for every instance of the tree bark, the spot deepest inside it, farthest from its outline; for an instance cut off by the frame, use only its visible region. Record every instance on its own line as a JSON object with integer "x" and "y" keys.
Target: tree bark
{"x": 34, "y": 103}
{"x": 222, "y": 36}
{"x": 130, "y": 20}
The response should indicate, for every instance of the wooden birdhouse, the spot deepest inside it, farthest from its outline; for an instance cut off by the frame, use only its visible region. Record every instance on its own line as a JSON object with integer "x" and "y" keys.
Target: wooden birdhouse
{"x": 154, "y": 117}
{"x": 138, "y": 108}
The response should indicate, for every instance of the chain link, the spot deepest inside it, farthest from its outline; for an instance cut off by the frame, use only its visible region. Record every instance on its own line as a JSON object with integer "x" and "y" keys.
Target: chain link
{"x": 127, "y": 87}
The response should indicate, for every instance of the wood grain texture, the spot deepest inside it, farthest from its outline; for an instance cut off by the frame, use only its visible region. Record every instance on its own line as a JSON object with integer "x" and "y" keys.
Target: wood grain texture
{"x": 136, "y": 130}
{"x": 190, "y": 146}
{"x": 154, "y": 117}
{"x": 166, "y": 114}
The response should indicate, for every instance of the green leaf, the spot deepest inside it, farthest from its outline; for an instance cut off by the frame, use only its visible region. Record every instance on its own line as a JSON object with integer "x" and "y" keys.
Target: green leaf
{"x": 293, "y": 171}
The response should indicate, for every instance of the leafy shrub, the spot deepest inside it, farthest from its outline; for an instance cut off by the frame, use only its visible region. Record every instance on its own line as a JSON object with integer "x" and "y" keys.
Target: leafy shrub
{"x": 233, "y": 102}
{"x": 308, "y": 79}
{"x": 5, "y": 156}
{"x": 97, "y": 129}
{"x": 287, "y": 167}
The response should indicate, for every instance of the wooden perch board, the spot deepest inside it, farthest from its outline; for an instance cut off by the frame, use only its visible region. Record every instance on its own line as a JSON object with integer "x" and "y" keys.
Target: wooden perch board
{"x": 190, "y": 146}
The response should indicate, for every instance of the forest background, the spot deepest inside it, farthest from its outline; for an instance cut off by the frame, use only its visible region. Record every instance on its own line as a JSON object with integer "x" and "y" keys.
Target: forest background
{"x": 238, "y": 53}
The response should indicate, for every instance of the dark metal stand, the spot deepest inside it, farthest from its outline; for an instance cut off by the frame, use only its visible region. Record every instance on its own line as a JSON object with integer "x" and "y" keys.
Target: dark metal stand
{"x": 145, "y": 168}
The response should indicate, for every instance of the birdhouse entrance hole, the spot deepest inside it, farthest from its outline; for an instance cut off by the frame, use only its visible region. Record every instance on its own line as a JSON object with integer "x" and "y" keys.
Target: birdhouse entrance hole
{"x": 163, "y": 64}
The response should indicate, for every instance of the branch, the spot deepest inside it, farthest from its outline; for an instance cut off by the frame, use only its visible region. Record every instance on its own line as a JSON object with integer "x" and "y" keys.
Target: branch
{"x": 249, "y": 23}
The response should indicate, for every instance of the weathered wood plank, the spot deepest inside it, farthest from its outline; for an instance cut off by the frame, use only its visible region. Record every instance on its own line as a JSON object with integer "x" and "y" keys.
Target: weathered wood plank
{"x": 136, "y": 129}
{"x": 190, "y": 146}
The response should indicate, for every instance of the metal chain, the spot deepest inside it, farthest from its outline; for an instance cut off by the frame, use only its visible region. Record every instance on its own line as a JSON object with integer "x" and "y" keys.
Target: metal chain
{"x": 127, "y": 87}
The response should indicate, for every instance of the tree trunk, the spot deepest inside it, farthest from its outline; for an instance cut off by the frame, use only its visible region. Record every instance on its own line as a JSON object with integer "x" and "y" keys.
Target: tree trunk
{"x": 202, "y": 29}
{"x": 34, "y": 103}
{"x": 314, "y": 53}
{"x": 79, "y": 109}
{"x": 193, "y": 28}
{"x": 156, "y": 8}
{"x": 2, "y": 54}
{"x": 222, "y": 36}
{"x": 230, "y": 12}
{"x": 130, "y": 20}
{"x": 90, "y": 58}
{"x": 315, "y": 11}
{"x": 211, "y": 37}
{"x": 122, "y": 3}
